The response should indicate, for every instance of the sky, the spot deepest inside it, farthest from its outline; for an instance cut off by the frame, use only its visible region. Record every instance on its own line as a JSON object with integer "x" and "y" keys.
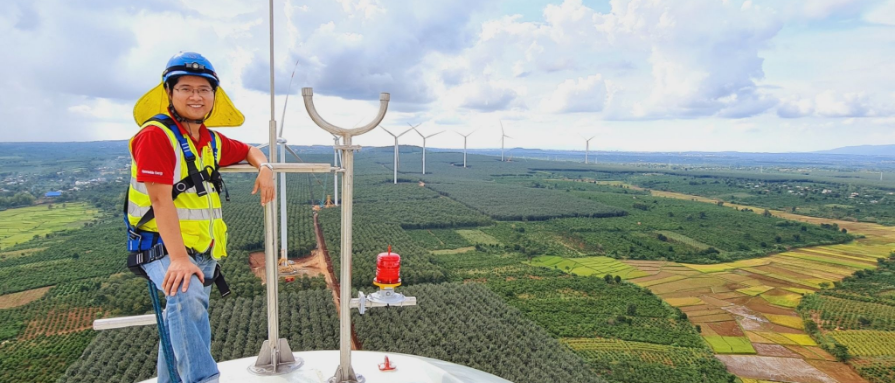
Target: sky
{"x": 637, "y": 75}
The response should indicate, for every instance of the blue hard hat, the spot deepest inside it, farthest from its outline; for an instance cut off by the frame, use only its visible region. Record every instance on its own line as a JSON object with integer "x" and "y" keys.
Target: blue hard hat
{"x": 191, "y": 64}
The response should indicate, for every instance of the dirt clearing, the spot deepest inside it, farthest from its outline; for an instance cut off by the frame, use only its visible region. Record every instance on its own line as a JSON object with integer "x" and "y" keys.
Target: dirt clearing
{"x": 775, "y": 368}
{"x": 22, "y": 298}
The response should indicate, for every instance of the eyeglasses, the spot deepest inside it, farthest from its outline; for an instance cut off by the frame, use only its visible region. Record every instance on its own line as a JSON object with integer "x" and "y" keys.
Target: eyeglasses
{"x": 203, "y": 91}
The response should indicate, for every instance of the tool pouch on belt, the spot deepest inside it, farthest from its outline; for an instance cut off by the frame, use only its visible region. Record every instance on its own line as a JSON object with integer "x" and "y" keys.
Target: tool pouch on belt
{"x": 138, "y": 258}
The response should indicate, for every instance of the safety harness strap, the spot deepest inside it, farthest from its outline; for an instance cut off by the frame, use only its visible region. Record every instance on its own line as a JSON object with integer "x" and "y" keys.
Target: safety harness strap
{"x": 195, "y": 177}
{"x": 136, "y": 259}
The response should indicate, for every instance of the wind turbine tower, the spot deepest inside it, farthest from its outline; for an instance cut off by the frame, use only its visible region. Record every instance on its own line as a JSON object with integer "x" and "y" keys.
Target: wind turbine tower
{"x": 396, "y": 148}
{"x": 337, "y": 162}
{"x": 464, "y": 145}
{"x": 587, "y": 148}
{"x": 502, "y": 136}
{"x": 424, "y": 143}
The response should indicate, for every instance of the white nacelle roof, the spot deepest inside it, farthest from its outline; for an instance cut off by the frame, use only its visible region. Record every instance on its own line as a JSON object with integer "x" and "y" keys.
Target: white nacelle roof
{"x": 319, "y": 366}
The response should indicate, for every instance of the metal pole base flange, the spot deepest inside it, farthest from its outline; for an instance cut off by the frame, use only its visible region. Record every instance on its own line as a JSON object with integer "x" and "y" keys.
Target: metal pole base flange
{"x": 351, "y": 378}
{"x": 285, "y": 363}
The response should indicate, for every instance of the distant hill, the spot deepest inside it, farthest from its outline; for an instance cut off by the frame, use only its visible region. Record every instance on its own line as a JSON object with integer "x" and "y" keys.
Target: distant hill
{"x": 863, "y": 150}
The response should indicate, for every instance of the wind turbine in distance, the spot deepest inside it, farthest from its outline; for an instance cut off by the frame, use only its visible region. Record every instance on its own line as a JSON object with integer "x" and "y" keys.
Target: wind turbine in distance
{"x": 396, "y": 148}
{"x": 587, "y": 148}
{"x": 464, "y": 144}
{"x": 337, "y": 162}
{"x": 424, "y": 143}
{"x": 502, "y": 136}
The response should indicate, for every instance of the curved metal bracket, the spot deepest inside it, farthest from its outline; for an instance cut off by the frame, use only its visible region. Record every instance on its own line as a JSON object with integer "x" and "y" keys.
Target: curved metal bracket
{"x": 308, "y": 95}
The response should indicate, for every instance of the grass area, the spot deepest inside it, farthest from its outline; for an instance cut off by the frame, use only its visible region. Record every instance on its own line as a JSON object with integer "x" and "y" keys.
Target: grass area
{"x": 801, "y": 339}
{"x": 477, "y": 237}
{"x": 23, "y": 297}
{"x": 755, "y": 290}
{"x": 598, "y": 266}
{"x": 662, "y": 280}
{"x": 685, "y": 301}
{"x": 22, "y": 224}
{"x": 453, "y": 251}
{"x": 19, "y": 253}
{"x": 729, "y": 265}
{"x": 678, "y": 237}
{"x": 730, "y": 344}
{"x": 832, "y": 260}
{"x": 786, "y": 300}
{"x": 786, "y": 320}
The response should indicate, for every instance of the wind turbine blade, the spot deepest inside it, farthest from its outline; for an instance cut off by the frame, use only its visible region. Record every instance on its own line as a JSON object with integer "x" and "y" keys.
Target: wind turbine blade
{"x": 405, "y": 132}
{"x": 387, "y": 131}
{"x": 294, "y": 154}
{"x": 262, "y": 146}
{"x": 434, "y": 134}
{"x": 501, "y": 127}
{"x": 286, "y": 103}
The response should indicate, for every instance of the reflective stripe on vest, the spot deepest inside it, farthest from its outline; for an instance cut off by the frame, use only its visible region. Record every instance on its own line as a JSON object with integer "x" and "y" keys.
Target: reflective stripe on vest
{"x": 183, "y": 214}
{"x": 200, "y": 217}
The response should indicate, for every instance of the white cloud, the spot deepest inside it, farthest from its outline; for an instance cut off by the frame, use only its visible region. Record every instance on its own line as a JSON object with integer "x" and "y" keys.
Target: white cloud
{"x": 486, "y": 96}
{"x": 831, "y": 104}
{"x": 704, "y": 54}
{"x": 882, "y": 14}
{"x": 794, "y": 107}
{"x": 818, "y": 9}
{"x": 586, "y": 94}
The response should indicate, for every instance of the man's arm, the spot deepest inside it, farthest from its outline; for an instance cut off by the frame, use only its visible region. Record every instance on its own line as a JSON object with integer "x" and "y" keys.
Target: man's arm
{"x": 181, "y": 268}
{"x": 265, "y": 176}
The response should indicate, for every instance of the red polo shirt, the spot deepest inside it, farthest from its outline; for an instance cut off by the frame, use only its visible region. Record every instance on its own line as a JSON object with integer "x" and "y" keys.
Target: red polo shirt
{"x": 154, "y": 155}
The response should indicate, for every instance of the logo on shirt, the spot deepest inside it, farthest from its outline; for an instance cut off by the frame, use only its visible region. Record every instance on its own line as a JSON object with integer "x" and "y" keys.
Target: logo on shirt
{"x": 152, "y": 172}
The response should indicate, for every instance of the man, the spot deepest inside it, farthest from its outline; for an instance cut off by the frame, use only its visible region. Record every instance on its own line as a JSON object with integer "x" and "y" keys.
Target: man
{"x": 174, "y": 209}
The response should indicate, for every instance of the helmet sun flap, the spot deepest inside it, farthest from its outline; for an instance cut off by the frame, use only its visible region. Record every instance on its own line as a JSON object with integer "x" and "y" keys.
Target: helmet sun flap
{"x": 223, "y": 113}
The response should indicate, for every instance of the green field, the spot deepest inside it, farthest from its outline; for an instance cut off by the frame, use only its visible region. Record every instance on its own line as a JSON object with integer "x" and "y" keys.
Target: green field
{"x": 22, "y": 224}
{"x": 476, "y": 237}
{"x": 598, "y": 266}
{"x": 730, "y": 344}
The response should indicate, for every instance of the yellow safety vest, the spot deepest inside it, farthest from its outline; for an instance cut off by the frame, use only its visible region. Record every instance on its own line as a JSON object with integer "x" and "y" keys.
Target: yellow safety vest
{"x": 201, "y": 221}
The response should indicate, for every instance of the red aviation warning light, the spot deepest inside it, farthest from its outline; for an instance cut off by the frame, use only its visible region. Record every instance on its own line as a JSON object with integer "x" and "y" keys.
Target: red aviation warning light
{"x": 388, "y": 277}
{"x": 388, "y": 269}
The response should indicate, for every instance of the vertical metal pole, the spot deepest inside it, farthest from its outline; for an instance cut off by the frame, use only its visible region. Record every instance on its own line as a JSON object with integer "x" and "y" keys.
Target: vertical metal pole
{"x": 396, "y": 161}
{"x": 586, "y": 151}
{"x": 464, "y": 151}
{"x": 424, "y": 155}
{"x": 283, "y": 209}
{"x": 270, "y": 240}
{"x": 345, "y": 278}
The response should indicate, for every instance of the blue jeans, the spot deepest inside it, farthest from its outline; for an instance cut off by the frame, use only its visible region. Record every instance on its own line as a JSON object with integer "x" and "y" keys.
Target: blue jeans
{"x": 186, "y": 316}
